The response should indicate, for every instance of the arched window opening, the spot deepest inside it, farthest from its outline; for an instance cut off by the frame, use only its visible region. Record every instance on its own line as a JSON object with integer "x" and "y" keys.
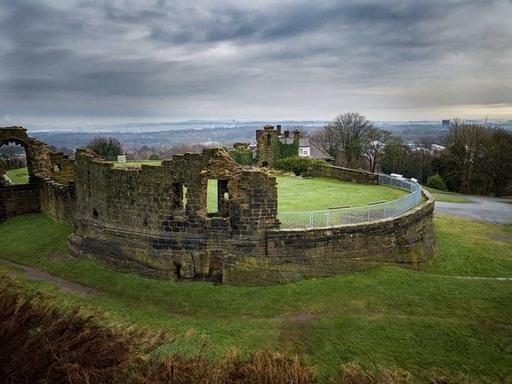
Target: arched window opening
{"x": 13, "y": 164}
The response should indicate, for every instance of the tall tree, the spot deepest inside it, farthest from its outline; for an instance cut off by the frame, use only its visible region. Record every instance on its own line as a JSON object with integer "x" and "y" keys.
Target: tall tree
{"x": 374, "y": 147}
{"x": 346, "y": 137}
{"x": 108, "y": 148}
{"x": 478, "y": 159}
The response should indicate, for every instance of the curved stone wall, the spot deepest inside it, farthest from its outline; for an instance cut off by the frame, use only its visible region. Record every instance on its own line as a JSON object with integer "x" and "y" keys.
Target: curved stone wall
{"x": 293, "y": 254}
{"x": 126, "y": 218}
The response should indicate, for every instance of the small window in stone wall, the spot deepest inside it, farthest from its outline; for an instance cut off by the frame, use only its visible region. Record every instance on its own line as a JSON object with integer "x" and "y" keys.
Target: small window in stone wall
{"x": 95, "y": 213}
{"x": 177, "y": 196}
{"x": 218, "y": 198}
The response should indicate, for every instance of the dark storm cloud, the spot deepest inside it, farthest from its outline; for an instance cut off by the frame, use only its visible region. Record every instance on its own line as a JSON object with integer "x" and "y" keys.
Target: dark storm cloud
{"x": 241, "y": 58}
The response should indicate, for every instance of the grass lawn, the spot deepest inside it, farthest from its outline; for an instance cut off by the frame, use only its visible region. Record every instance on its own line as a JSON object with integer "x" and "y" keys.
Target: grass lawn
{"x": 448, "y": 197}
{"x": 137, "y": 163}
{"x": 388, "y": 316}
{"x": 18, "y": 176}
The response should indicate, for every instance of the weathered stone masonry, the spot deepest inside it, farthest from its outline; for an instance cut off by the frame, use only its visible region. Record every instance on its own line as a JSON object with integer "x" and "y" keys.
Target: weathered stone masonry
{"x": 143, "y": 220}
{"x": 294, "y": 254}
{"x": 50, "y": 186}
{"x": 154, "y": 221}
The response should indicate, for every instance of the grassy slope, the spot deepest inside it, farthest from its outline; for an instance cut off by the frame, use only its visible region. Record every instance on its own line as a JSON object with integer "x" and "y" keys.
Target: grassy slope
{"x": 448, "y": 197}
{"x": 388, "y": 316}
{"x": 18, "y": 176}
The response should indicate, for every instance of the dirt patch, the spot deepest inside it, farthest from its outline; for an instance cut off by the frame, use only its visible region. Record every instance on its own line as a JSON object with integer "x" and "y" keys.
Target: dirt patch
{"x": 303, "y": 317}
{"x": 38, "y": 274}
{"x": 60, "y": 257}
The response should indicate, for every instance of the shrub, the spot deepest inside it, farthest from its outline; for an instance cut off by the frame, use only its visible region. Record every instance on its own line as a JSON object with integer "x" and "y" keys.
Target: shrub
{"x": 154, "y": 156}
{"x": 242, "y": 156}
{"x": 41, "y": 343}
{"x": 298, "y": 165}
{"x": 436, "y": 182}
{"x": 107, "y": 148}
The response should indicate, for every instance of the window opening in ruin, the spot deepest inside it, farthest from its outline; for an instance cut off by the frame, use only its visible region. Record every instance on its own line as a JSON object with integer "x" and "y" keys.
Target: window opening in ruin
{"x": 177, "y": 196}
{"x": 218, "y": 198}
{"x": 264, "y": 164}
{"x": 269, "y": 140}
{"x": 95, "y": 213}
{"x": 177, "y": 270}
{"x": 13, "y": 164}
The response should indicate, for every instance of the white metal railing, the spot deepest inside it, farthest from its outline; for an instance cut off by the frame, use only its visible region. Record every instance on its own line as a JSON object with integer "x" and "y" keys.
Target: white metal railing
{"x": 354, "y": 215}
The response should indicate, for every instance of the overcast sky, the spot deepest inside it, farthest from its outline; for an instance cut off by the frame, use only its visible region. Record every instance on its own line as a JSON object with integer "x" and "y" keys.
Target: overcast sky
{"x": 70, "y": 62}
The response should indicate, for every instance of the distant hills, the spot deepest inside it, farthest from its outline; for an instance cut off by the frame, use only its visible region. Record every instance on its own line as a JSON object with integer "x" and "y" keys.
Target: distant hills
{"x": 170, "y": 134}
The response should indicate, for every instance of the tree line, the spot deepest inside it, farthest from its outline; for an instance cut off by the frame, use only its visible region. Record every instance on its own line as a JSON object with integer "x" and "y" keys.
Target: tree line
{"x": 475, "y": 159}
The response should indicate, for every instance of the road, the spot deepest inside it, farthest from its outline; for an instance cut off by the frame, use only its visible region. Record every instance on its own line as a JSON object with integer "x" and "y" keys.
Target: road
{"x": 490, "y": 209}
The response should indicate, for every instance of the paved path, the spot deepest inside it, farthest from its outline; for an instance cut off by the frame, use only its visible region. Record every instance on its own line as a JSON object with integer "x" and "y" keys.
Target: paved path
{"x": 483, "y": 208}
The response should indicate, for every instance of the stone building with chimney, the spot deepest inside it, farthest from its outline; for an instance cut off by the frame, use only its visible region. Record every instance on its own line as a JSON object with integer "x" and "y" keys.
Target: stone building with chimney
{"x": 273, "y": 144}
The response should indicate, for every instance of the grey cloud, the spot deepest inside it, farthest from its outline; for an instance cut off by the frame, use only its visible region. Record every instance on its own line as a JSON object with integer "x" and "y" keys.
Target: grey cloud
{"x": 230, "y": 58}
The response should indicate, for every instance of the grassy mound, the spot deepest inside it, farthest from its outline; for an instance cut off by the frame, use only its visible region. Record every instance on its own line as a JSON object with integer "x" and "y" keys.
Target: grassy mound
{"x": 388, "y": 317}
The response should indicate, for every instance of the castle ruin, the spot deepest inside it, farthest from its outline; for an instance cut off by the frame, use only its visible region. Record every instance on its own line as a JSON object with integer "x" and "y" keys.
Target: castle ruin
{"x": 153, "y": 220}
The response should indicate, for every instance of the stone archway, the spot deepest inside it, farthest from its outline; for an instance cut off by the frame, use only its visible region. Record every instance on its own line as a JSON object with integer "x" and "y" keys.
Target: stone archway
{"x": 38, "y": 153}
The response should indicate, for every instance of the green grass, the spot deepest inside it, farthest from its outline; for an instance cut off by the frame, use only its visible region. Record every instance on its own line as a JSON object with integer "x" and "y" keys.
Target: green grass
{"x": 473, "y": 248}
{"x": 387, "y": 316}
{"x": 18, "y": 176}
{"x": 137, "y": 163}
{"x": 448, "y": 197}
{"x": 301, "y": 194}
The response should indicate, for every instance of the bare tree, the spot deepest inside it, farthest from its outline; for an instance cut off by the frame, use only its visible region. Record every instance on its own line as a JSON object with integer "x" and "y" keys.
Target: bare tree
{"x": 346, "y": 137}
{"x": 374, "y": 147}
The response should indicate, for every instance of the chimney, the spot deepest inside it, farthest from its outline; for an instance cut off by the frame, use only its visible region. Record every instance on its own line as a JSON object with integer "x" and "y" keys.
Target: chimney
{"x": 296, "y": 135}
{"x": 278, "y": 126}
{"x": 286, "y": 134}
{"x": 268, "y": 127}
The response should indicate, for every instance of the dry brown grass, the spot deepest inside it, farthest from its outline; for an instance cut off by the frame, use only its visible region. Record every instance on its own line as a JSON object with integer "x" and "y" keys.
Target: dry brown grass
{"x": 40, "y": 343}
{"x": 261, "y": 368}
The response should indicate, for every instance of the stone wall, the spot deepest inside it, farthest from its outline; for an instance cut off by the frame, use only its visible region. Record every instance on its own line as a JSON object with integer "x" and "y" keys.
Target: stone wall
{"x": 345, "y": 174}
{"x": 51, "y": 176}
{"x": 18, "y": 199}
{"x": 154, "y": 220}
{"x": 294, "y": 254}
{"x": 57, "y": 200}
{"x": 63, "y": 168}
{"x": 264, "y": 139}
{"x": 38, "y": 153}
